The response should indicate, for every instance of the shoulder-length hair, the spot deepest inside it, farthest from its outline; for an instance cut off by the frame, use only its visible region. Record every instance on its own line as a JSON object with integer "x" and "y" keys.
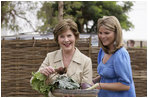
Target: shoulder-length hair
{"x": 63, "y": 26}
{"x": 112, "y": 24}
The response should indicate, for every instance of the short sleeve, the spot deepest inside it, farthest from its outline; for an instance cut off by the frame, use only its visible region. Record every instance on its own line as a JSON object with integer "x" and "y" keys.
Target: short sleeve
{"x": 122, "y": 67}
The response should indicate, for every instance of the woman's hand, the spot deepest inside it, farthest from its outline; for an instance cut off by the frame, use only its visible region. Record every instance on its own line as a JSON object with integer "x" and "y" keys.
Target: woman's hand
{"x": 47, "y": 71}
{"x": 96, "y": 80}
{"x": 110, "y": 86}
{"x": 95, "y": 86}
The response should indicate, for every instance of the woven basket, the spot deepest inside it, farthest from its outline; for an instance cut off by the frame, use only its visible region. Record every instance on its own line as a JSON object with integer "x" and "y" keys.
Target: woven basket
{"x": 75, "y": 93}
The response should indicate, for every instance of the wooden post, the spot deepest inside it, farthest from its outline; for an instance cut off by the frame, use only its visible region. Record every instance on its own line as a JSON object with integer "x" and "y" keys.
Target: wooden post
{"x": 140, "y": 44}
{"x": 90, "y": 45}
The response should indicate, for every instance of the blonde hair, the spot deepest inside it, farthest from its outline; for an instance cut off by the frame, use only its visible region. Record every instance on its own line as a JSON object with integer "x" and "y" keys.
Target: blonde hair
{"x": 63, "y": 26}
{"x": 111, "y": 23}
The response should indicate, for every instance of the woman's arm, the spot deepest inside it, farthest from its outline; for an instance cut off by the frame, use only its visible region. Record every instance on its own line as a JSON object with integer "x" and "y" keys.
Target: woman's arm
{"x": 114, "y": 86}
{"x": 110, "y": 86}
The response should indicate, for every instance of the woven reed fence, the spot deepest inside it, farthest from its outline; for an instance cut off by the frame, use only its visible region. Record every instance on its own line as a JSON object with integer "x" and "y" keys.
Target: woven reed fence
{"x": 21, "y": 57}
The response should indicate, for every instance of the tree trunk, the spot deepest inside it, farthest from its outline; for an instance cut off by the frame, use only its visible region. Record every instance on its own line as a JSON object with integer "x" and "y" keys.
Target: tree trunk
{"x": 80, "y": 27}
{"x": 60, "y": 9}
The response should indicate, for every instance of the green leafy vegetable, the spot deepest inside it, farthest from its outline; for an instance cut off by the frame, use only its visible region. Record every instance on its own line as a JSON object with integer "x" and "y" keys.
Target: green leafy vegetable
{"x": 38, "y": 83}
{"x": 62, "y": 82}
{"x": 65, "y": 82}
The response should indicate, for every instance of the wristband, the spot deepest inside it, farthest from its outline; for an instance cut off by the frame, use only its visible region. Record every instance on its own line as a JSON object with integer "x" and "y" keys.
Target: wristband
{"x": 100, "y": 86}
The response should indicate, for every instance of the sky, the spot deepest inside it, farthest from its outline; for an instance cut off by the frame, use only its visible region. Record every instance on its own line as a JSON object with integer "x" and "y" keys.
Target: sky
{"x": 138, "y": 16}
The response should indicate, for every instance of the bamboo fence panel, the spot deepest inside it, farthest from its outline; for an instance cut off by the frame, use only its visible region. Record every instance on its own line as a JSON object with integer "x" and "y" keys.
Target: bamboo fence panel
{"x": 21, "y": 57}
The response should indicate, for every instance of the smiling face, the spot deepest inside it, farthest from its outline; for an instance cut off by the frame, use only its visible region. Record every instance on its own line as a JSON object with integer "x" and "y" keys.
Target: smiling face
{"x": 67, "y": 40}
{"x": 63, "y": 26}
{"x": 107, "y": 37}
{"x": 109, "y": 34}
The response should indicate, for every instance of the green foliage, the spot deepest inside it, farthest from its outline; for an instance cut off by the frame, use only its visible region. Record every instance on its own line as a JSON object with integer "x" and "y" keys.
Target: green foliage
{"x": 14, "y": 11}
{"x": 7, "y": 11}
{"x": 48, "y": 17}
{"x": 80, "y": 11}
{"x": 66, "y": 83}
{"x": 84, "y": 11}
{"x": 38, "y": 83}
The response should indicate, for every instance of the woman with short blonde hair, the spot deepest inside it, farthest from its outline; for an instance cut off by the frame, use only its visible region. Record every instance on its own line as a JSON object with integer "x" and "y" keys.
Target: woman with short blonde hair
{"x": 64, "y": 25}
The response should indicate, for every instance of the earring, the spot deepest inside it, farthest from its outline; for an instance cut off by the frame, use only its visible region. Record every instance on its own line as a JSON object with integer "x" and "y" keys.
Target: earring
{"x": 114, "y": 43}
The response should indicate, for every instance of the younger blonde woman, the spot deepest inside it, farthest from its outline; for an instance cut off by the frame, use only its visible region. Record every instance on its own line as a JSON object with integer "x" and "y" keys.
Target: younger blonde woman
{"x": 114, "y": 66}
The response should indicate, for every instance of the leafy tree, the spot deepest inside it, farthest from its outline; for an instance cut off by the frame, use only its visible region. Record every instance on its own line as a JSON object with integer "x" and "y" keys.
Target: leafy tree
{"x": 85, "y": 11}
{"x": 80, "y": 11}
{"x": 48, "y": 16}
{"x": 14, "y": 11}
